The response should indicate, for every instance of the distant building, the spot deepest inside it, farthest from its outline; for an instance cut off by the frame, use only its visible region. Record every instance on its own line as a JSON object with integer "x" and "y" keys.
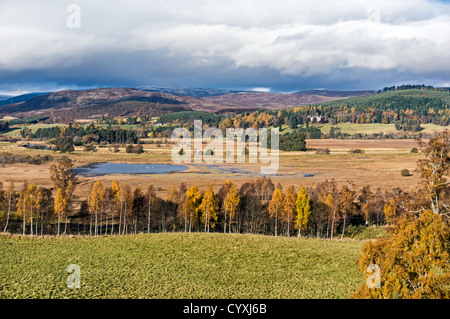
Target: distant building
{"x": 318, "y": 119}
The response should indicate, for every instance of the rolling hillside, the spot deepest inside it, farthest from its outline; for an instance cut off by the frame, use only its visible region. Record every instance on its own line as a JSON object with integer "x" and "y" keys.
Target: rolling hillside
{"x": 407, "y": 109}
{"x": 278, "y": 100}
{"x": 75, "y": 104}
{"x": 20, "y": 98}
{"x": 397, "y": 100}
{"x": 70, "y": 99}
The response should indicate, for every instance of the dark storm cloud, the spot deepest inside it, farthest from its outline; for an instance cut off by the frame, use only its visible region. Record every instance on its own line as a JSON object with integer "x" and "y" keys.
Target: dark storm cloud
{"x": 283, "y": 45}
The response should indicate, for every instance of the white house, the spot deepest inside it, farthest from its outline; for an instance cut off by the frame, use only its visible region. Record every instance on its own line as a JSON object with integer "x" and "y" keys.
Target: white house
{"x": 318, "y": 119}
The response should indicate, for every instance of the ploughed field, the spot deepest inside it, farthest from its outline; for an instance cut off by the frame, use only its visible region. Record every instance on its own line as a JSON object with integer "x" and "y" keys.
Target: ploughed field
{"x": 180, "y": 265}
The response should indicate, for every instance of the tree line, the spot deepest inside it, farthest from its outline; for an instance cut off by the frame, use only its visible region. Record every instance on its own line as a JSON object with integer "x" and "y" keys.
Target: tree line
{"x": 257, "y": 207}
{"x": 423, "y": 104}
{"x": 94, "y": 133}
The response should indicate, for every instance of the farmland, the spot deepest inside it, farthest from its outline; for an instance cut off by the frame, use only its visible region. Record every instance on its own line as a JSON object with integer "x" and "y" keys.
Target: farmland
{"x": 380, "y": 166}
{"x": 179, "y": 265}
{"x": 375, "y": 128}
{"x": 347, "y": 186}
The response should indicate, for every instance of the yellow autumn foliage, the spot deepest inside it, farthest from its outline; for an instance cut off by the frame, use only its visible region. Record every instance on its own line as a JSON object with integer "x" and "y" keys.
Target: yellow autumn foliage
{"x": 414, "y": 260}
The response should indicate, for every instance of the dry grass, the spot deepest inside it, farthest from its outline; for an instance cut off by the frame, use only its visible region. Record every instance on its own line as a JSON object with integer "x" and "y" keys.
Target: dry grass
{"x": 380, "y": 166}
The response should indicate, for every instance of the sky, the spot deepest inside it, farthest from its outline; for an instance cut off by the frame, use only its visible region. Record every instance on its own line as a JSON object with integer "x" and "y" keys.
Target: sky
{"x": 270, "y": 46}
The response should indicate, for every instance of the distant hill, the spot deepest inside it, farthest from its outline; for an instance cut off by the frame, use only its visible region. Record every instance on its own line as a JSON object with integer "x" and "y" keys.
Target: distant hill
{"x": 397, "y": 100}
{"x": 191, "y": 92}
{"x": 86, "y": 103}
{"x": 5, "y": 97}
{"x": 279, "y": 100}
{"x": 331, "y": 93}
{"x": 67, "y": 105}
{"x": 20, "y": 98}
{"x": 406, "y": 108}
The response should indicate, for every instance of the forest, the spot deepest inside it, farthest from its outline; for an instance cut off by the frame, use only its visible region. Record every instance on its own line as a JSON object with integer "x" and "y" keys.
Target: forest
{"x": 75, "y": 132}
{"x": 257, "y": 207}
{"x": 424, "y": 106}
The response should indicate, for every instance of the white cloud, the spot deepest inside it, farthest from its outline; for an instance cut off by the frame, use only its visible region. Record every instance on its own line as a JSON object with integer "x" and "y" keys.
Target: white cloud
{"x": 310, "y": 49}
{"x": 295, "y": 38}
{"x": 261, "y": 89}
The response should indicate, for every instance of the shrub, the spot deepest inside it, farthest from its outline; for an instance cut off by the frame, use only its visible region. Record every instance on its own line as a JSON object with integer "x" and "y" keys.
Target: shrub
{"x": 90, "y": 148}
{"x": 138, "y": 149}
{"x": 64, "y": 144}
{"x": 77, "y": 141}
{"x": 323, "y": 151}
{"x": 405, "y": 172}
{"x": 415, "y": 150}
{"x": 291, "y": 142}
{"x": 356, "y": 151}
{"x": 129, "y": 149}
{"x": 8, "y": 158}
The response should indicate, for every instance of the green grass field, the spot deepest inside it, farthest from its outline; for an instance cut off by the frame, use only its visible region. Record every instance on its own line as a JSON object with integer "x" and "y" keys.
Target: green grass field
{"x": 177, "y": 265}
{"x": 373, "y": 128}
{"x": 15, "y": 131}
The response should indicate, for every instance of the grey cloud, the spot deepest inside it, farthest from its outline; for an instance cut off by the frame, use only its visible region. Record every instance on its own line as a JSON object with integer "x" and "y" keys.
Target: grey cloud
{"x": 247, "y": 43}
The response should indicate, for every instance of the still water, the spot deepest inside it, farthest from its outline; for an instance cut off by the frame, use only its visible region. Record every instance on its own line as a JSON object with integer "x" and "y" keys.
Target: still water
{"x": 124, "y": 168}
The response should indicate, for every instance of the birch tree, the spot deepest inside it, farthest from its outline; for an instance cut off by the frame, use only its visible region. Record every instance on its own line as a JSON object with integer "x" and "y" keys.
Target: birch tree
{"x": 96, "y": 202}
{"x": 276, "y": 207}
{"x": 209, "y": 208}
{"x": 302, "y": 209}
{"x": 231, "y": 205}
{"x": 10, "y": 195}
{"x": 288, "y": 208}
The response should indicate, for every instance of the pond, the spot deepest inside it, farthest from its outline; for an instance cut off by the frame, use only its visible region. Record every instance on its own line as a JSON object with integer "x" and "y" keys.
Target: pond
{"x": 38, "y": 147}
{"x": 125, "y": 168}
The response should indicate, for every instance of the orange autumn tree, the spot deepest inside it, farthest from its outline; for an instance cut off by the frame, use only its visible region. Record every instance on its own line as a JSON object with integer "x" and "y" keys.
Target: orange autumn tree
{"x": 22, "y": 204}
{"x": 96, "y": 201}
{"x": 289, "y": 208}
{"x": 209, "y": 209}
{"x": 414, "y": 259}
{"x": 231, "y": 205}
{"x": 193, "y": 201}
{"x": 434, "y": 169}
{"x": 60, "y": 206}
{"x": 115, "y": 197}
{"x": 276, "y": 207}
